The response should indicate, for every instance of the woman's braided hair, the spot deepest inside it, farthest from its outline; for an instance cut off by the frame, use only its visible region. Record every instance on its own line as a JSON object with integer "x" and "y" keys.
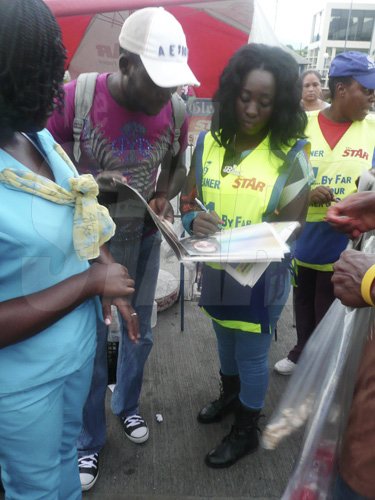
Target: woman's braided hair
{"x": 32, "y": 59}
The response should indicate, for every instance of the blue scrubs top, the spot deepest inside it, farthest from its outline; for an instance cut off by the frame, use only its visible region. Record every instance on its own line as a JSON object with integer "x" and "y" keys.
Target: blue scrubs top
{"x": 36, "y": 252}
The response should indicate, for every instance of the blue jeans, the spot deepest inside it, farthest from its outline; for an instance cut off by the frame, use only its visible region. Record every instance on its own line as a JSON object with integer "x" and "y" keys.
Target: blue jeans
{"x": 245, "y": 354}
{"x": 142, "y": 258}
{"x": 38, "y": 434}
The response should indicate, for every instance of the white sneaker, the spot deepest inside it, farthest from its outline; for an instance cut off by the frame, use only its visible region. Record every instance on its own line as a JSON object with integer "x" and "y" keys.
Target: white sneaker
{"x": 285, "y": 366}
{"x": 88, "y": 470}
{"x": 135, "y": 428}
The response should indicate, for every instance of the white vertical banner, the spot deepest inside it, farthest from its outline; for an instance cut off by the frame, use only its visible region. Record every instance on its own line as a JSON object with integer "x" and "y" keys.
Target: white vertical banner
{"x": 261, "y": 30}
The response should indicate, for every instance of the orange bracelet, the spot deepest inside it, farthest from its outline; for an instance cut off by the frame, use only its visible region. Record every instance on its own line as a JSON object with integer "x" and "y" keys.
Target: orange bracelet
{"x": 366, "y": 285}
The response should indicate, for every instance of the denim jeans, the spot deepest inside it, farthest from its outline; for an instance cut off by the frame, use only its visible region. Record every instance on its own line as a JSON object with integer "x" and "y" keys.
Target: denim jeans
{"x": 142, "y": 258}
{"x": 245, "y": 354}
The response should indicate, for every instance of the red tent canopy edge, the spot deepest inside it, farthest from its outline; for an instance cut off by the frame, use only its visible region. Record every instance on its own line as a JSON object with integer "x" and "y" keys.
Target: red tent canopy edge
{"x": 62, "y": 8}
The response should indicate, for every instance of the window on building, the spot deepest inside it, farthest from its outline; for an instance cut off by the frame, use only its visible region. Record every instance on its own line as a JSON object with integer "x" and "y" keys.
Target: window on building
{"x": 358, "y": 28}
{"x": 317, "y": 26}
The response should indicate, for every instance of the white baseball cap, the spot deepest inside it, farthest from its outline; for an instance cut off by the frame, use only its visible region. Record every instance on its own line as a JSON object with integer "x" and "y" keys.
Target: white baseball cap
{"x": 158, "y": 38}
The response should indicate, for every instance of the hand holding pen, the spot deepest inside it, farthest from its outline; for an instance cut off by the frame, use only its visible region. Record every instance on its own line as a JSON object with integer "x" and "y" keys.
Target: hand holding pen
{"x": 206, "y": 222}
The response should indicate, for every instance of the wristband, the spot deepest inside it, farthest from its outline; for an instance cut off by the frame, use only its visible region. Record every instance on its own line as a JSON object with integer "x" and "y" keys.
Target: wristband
{"x": 366, "y": 285}
{"x": 187, "y": 221}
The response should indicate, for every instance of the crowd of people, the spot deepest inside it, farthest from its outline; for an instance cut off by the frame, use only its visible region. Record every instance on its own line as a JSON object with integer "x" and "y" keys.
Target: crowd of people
{"x": 59, "y": 279}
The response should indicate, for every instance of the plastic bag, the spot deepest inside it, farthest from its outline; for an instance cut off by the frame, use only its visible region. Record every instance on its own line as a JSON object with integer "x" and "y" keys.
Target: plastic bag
{"x": 319, "y": 395}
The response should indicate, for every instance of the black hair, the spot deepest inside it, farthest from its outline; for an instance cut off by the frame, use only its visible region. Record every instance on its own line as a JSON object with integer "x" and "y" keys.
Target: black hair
{"x": 288, "y": 120}
{"x": 134, "y": 58}
{"x": 32, "y": 59}
{"x": 311, "y": 72}
{"x": 333, "y": 81}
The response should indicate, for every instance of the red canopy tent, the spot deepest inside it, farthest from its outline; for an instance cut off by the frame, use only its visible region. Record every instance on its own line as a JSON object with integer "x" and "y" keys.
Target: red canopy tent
{"x": 214, "y": 30}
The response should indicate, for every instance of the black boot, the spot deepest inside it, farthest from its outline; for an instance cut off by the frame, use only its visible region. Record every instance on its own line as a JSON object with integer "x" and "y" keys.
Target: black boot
{"x": 227, "y": 402}
{"x": 242, "y": 439}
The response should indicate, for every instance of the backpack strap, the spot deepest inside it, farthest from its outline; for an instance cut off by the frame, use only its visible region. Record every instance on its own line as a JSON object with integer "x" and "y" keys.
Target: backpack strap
{"x": 199, "y": 162}
{"x": 83, "y": 99}
{"x": 281, "y": 196}
{"x": 179, "y": 112}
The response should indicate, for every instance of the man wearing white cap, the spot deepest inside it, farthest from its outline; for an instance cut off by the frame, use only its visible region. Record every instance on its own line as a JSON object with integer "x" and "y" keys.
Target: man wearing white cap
{"x": 128, "y": 132}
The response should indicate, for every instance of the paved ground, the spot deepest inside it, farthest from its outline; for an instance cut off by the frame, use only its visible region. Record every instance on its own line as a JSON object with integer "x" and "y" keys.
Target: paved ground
{"x": 181, "y": 376}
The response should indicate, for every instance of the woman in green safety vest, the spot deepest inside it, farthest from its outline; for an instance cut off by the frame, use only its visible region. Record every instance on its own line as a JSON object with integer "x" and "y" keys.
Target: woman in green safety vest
{"x": 342, "y": 148}
{"x": 251, "y": 167}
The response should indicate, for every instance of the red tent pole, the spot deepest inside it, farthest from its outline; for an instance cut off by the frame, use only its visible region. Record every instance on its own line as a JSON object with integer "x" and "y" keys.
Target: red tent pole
{"x": 62, "y": 8}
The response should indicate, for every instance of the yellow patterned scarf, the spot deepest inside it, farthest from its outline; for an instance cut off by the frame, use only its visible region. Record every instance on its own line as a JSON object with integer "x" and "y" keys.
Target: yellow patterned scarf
{"x": 92, "y": 224}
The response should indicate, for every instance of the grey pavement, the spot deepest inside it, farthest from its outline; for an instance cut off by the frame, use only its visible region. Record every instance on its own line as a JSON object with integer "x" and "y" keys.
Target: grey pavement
{"x": 181, "y": 376}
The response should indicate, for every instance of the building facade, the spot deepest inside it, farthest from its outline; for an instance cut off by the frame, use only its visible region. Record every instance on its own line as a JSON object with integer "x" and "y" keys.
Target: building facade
{"x": 340, "y": 27}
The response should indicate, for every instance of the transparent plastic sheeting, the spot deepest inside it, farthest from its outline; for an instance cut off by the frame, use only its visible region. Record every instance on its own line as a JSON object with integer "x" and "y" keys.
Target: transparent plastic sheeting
{"x": 319, "y": 396}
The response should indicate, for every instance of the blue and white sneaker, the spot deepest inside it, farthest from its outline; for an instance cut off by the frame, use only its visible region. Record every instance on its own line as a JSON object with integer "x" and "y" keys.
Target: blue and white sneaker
{"x": 135, "y": 428}
{"x": 88, "y": 470}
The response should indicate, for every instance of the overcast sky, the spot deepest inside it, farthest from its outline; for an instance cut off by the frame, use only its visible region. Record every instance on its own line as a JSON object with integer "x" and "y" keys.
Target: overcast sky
{"x": 292, "y": 19}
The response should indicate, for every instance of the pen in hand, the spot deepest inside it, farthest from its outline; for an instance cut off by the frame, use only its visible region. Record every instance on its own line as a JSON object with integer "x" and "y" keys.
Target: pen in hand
{"x": 200, "y": 204}
{"x": 205, "y": 209}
